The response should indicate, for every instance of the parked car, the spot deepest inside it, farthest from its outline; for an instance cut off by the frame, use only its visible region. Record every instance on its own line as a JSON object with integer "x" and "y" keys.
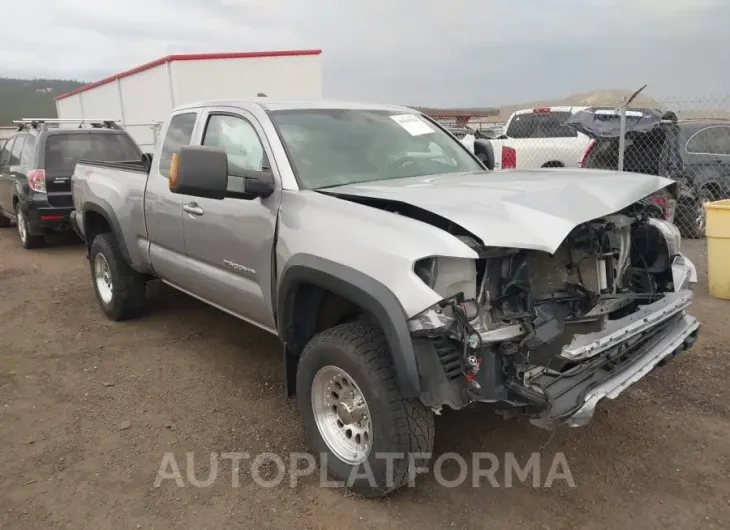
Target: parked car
{"x": 695, "y": 153}
{"x": 36, "y": 165}
{"x": 539, "y": 138}
{"x": 400, "y": 276}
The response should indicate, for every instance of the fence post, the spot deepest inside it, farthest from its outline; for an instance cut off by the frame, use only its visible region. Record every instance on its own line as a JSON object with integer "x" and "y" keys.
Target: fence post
{"x": 622, "y": 128}
{"x": 622, "y": 138}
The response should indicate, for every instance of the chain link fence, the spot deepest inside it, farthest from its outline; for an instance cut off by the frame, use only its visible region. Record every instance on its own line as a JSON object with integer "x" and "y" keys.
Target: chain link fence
{"x": 685, "y": 139}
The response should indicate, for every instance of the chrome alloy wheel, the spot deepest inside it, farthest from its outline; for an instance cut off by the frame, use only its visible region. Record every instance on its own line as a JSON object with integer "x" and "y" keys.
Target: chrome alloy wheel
{"x": 20, "y": 222}
{"x": 103, "y": 278}
{"x": 701, "y": 215}
{"x": 342, "y": 415}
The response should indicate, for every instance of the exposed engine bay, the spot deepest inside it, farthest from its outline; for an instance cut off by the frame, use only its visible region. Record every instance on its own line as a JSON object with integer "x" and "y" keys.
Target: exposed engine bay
{"x": 538, "y": 331}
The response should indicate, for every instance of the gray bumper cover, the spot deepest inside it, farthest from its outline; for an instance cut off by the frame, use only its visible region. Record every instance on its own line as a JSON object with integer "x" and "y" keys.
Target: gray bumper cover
{"x": 573, "y": 396}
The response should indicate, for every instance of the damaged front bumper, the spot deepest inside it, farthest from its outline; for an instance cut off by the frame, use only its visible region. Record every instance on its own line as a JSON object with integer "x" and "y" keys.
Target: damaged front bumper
{"x": 593, "y": 367}
{"x": 572, "y": 395}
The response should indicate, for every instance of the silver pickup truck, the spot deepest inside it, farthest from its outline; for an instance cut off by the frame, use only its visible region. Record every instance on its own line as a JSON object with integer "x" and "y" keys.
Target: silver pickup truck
{"x": 399, "y": 274}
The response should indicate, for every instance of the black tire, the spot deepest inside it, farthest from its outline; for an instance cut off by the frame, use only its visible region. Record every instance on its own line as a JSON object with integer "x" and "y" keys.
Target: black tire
{"x": 4, "y": 221}
{"x": 399, "y": 425}
{"x": 28, "y": 241}
{"x": 127, "y": 286}
{"x": 691, "y": 217}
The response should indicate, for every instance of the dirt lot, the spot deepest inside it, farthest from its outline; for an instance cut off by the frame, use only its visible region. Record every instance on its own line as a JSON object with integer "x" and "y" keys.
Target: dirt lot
{"x": 89, "y": 407}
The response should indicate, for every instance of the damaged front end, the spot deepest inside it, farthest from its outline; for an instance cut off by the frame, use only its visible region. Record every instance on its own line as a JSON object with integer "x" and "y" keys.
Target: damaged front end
{"x": 551, "y": 335}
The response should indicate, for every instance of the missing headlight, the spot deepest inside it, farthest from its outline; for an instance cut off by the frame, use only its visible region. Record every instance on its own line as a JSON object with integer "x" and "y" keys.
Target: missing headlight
{"x": 448, "y": 276}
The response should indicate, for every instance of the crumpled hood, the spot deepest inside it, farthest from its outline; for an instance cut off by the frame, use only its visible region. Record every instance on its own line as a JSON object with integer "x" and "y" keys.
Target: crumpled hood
{"x": 519, "y": 209}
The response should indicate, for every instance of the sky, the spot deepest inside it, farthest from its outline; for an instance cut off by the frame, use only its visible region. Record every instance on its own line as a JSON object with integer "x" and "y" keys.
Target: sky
{"x": 413, "y": 52}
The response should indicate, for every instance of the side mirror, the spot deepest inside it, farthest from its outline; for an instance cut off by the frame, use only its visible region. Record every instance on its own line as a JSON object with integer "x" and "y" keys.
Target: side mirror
{"x": 199, "y": 171}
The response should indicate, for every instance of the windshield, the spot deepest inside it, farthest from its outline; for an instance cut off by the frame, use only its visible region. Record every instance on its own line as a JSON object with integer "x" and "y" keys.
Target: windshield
{"x": 334, "y": 147}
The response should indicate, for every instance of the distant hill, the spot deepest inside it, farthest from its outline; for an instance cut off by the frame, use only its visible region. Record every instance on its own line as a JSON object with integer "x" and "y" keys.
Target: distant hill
{"x": 614, "y": 97}
{"x": 31, "y": 98}
{"x": 596, "y": 98}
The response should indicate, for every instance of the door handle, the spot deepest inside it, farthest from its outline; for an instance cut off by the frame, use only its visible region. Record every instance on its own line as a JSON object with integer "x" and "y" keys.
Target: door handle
{"x": 193, "y": 209}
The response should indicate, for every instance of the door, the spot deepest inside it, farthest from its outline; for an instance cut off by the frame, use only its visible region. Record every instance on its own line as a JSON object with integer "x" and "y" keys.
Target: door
{"x": 708, "y": 153}
{"x": 229, "y": 242}
{"x": 6, "y": 182}
{"x": 163, "y": 209}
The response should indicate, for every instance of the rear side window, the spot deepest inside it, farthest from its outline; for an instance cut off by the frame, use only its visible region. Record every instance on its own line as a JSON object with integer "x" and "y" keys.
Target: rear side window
{"x": 541, "y": 125}
{"x": 26, "y": 155}
{"x": 64, "y": 150}
{"x": 712, "y": 140}
{"x": 5, "y": 153}
{"x": 179, "y": 133}
{"x": 17, "y": 149}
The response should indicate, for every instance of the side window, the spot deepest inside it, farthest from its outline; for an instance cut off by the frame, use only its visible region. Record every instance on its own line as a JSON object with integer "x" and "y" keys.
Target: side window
{"x": 178, "y": 134}
{"x": 17, "y": 149}
{"x": 521, "y": 126}
{"x": 722, "y": 140}
{"x": 5, "y": 154}
{"x": 238, "y": 138}
{"x": 712, "y": 140}
{"x": 26, "y": 155}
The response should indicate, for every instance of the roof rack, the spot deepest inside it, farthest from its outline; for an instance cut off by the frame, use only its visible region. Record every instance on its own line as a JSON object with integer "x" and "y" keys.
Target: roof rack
{"x": 43, "y": 123}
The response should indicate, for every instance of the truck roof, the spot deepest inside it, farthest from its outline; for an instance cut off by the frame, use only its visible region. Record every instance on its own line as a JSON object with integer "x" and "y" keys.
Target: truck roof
{"x": 268, "y": 104}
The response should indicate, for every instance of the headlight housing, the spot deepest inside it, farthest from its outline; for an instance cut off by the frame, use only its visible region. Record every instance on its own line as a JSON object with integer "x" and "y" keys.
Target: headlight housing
{"x": 448, "y": 276}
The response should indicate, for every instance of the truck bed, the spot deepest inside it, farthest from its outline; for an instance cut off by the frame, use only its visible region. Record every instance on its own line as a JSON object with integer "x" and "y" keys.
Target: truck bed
{"x": 120, "y": 187}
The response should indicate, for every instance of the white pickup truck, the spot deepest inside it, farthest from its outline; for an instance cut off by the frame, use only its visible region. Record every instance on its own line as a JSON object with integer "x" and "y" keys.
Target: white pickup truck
{"x": 537, "y": 138}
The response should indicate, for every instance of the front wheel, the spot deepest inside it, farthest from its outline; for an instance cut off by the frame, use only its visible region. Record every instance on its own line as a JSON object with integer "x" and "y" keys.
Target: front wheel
{"x": 363, "y": 431}
{"x": 119, "y": 289}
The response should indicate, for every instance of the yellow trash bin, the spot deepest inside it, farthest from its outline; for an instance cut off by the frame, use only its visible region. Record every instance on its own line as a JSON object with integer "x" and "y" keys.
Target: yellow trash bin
{"x": 718, "y": 248}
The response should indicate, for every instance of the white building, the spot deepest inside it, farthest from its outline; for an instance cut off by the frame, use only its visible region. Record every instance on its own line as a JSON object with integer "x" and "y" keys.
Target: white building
{"x": 143, "y": 96}
{"x": 6, "y": 131}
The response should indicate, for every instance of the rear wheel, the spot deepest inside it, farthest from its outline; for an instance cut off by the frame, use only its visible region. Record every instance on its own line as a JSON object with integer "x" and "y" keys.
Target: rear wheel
{"x": 119, "y": 289}
{"x": 26, "y": 239}
{"x": 4, "y": 221}
{"x": 361, "y": 428}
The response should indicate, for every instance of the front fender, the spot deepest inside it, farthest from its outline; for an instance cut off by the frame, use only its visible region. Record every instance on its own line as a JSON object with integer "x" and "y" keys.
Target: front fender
{"x": 369, "y": 294}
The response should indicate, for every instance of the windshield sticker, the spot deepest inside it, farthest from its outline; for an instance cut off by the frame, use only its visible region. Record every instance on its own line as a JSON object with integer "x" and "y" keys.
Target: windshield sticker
{"x": 413, "y": 124}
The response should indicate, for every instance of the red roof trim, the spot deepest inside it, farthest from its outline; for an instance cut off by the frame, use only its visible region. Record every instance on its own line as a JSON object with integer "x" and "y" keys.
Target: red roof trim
{"x": 186, "y": 57}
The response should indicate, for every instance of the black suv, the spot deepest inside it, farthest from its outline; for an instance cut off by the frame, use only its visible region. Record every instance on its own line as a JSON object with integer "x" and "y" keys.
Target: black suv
{"x": 695, "y": 153}
{"x": 36, "y": 165}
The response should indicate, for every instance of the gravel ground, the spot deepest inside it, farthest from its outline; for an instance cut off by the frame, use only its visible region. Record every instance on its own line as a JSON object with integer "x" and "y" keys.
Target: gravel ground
{"x": 88, "y": 409}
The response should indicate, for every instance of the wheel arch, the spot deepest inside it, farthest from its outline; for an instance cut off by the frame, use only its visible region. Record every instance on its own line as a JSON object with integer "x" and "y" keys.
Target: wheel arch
{"x": 99, "y": 217}
{"x": 295, "y": 295}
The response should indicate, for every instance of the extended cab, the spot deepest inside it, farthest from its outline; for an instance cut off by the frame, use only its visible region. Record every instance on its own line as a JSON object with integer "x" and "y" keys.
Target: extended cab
{"x": 36, "y": 165}
{"x": 400, "y": 276}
